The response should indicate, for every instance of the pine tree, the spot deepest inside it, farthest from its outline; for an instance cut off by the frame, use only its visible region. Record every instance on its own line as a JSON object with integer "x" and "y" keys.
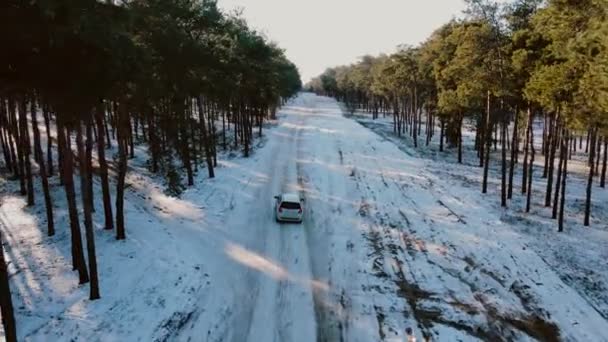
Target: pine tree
{"x": 43, "y": 172}
{"x": 85, "y": 175}
{"x": 6, "y": 302}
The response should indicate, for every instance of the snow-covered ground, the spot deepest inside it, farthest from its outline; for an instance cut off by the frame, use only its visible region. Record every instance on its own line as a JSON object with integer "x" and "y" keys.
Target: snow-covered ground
{"x": 391, "y": 239}
{"x": 578, "y": 254}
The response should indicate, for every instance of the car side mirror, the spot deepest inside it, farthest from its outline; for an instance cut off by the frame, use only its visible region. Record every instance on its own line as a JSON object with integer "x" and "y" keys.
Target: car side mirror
{"x": 276, "y": 197}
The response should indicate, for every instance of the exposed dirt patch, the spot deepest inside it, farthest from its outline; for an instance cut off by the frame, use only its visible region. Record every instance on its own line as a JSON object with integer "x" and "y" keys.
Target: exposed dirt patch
{"x": 172, "y": 325}
{"x": 530, "y": 324}
{"x": 536, "y": 327}
{"x": 380, "y": 317}
{"x": 376, "y": 255}
{"x": 465, "y": 307}
{"x": 426, "y": 306}
{"x": 364, "y": 208}
{"x": 500, "y": 326}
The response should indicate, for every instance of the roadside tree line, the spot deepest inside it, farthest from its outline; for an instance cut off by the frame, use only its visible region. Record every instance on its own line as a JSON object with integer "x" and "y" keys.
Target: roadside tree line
{"x": 80, "y": 79}
{"x": 502, "y": 68}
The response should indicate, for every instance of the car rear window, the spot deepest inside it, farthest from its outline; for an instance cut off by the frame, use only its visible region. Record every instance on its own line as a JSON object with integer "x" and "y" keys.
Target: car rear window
{"x": 290, "y": 205}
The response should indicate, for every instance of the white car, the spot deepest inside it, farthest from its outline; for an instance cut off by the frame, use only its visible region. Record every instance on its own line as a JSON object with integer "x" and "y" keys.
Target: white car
{"x": 289, "y": 208}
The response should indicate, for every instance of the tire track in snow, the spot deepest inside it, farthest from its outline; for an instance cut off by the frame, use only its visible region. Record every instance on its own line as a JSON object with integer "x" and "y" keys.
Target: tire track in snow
{"x": 534, "y": 325}
{"x": 287, "y": 296}
{"x": 229, "y": 313}
{"x": 347, "y": 311}
{"x": 320, "y": 312}
{"x": 282, "y": 304}
{"x": 298, "y": 292}
{"x": 262, "y": 306}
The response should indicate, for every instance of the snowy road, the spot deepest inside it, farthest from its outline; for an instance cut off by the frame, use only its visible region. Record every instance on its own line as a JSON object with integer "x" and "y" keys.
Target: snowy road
{"x": 385, "y": 246}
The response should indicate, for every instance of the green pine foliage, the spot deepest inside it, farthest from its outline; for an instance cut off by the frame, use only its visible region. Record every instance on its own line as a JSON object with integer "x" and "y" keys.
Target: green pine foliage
{"x": 522, "y": 59}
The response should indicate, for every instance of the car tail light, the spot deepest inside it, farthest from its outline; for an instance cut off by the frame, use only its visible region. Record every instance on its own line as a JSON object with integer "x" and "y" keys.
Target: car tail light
{"x": 300, "y": 211}
{"x": 280, "y": 209}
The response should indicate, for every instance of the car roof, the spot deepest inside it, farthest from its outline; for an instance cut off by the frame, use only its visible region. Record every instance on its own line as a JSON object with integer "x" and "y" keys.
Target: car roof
{"x": 290, "y": 198}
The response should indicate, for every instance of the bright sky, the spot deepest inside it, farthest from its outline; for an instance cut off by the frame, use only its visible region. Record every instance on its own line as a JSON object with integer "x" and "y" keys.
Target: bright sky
{"x": 317, "y": 34}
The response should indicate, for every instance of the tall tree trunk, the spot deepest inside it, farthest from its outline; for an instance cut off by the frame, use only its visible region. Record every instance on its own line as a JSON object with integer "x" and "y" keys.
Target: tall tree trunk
{"x": 433, "y": 119}
{"x": 35, "y": 128}
{"x": 78, "y": 261}
{"x": 60, "y": 148}
{"x": 558, "y": 183}
{"x": 593, "y": 134}
{"x": 197, "y": 149}
{"x": 103, "y": 167}
{"x": 524, "y": 180}
{"x": 154, "y": 140}
{"x": 555, "y": 139}
{"x": 441, "y": 134}
{"x": 488, "y": 144}
{"x": 135, "y": 127}
{"x": 4, "y": 141}
{"x": 429, "y": 126}
{"x": 26, "y": 150}
{"x": 480, "y": 140}
{"x": 6, "y": 301}
{"x": 14, "y": 154}
{"x": 503, "y": 187}
{"x": 598, "y": 154}
{"x": 184, "y": 141}
{"x": 605, "y": 164}
{"x": 245, "y": 125}
{"x": 572, "y": 147}
{"x": 5, "y": 148}
{"x": 419, "y": 111}
{"x": 205, "y": 138}
{"x": 213, "y": 133}
{"x": 43, "y": 176}
{"x": 198, "y": 145}
{"x": 114, "y": 118}
{"x": 49, "y": 140}
{"x": 530, "y": 164}
{"x": 563, "y": 187}
{"x": 460, "y": 119}
{"x": 123, "y": 119}
{"x": 514, "y": 148}
{"x": 85, "y": 175}
{"x": 544, "y": 139}
{"x": 144, "y": 129}
{"x": 496, "y": 137}
{"x": 547, "y": 142}
{"x": 89, "y": 160}
{"x": 235, "y": 118}
{"x": 260, "y": 121}
{"x": 16, "y": 133}
{"x": 224, "y": 143}
{"x": 395, "y": 118}
{"x": 415, "y": 113}
{"x": 130, "y": 140}
{"x": 105, "y": 126}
